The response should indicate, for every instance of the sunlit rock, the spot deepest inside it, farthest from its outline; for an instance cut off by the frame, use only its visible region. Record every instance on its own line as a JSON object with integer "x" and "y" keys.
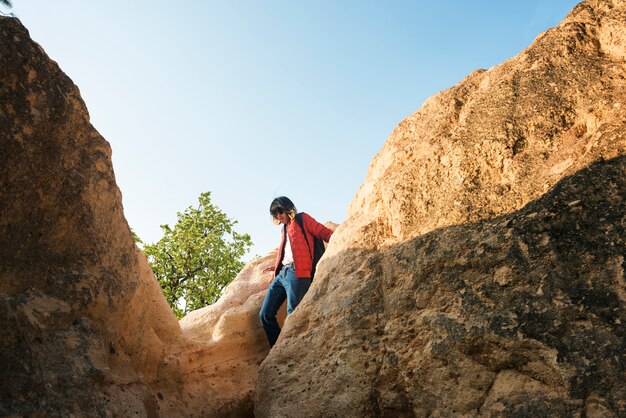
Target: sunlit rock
{"x": 480, "y": 270}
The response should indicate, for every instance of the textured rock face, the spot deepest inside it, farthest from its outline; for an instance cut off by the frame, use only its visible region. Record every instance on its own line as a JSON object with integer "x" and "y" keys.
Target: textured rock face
{"x": 502, "y": 137}
{"x": 518, "y": 315}
{"x": 85, "y": 328}
{"x": 71, "y": 279}
{"x": 229, "y": 343}
{"x": 481, "y": 268}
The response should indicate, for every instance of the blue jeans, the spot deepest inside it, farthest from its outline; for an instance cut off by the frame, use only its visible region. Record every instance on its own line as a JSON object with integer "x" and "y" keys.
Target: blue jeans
{"x": 284, "y": 286}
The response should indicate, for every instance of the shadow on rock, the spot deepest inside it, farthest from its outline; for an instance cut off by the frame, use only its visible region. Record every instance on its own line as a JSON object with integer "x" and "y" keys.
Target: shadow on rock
{"x": 519, "y": 315}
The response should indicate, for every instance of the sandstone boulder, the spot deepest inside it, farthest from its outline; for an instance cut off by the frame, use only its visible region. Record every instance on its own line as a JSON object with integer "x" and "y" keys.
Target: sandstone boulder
{"x": 481, "y": 267}
{"x": 86, "y": 330}
{"x": 82, "y": 324}
{"x": 502, "y": 137}
{"x": 229, "y": 344}
{"x": 518, "y": 315}
{"x": 480, "y": 270}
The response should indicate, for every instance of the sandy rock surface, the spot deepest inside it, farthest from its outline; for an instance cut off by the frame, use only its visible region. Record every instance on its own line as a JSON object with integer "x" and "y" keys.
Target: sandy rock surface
{"x": 481, "y": 267}
{"x": 518, "y": 315}
{"x": 503, "y": 136}
{"x": 86, "y": 330}
{"x": 480, "y": 271}
{"x": 229, "y": 343}
{"x": 82, "y": 325}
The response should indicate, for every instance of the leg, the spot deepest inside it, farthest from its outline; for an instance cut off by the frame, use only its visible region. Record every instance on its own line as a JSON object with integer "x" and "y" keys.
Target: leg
{"x": 274, "y": 297}
{"x": 295, "y": 289}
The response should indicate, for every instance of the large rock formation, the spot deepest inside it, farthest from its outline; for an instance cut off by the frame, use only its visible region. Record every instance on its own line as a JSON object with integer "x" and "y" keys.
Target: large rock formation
{"x": 229, "y": 344}
{"x": 480, "y": 270}
{"x": 81, "y": 324}
{"x": 518, "y": 315}
{"x": 481, "y": 267}
{"x": 85, "y": 328}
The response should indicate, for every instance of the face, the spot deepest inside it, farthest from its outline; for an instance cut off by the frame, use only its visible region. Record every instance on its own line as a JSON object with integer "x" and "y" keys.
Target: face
{"x": 282, "y": 218}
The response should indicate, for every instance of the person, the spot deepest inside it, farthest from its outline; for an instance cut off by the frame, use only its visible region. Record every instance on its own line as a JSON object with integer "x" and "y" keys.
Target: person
{"x": 294, "y": 262}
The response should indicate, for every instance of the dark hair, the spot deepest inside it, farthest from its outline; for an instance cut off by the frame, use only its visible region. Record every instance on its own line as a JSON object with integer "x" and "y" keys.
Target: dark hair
{"x": 281, "y": 204}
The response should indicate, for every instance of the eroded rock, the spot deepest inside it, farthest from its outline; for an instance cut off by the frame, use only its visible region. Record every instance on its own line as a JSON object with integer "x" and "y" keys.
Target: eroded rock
{"x": 480, "y": 270}
{"x": 70, "y": 277}
{"x": 86, "y": 330}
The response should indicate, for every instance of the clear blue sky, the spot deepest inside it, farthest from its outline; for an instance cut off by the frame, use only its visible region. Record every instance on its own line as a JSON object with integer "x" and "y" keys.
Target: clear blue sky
{"x": 255, "y": 99}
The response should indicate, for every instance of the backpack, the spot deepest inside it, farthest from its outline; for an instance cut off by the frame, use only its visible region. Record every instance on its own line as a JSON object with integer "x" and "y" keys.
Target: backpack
{"x": 318, "y": 245}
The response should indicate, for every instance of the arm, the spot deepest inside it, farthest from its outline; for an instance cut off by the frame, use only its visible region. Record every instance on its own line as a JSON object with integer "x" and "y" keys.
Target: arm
{"x": 316, "y": 228}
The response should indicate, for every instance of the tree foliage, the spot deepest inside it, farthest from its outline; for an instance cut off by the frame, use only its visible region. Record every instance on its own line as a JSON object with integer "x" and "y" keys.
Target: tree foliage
{"x": 194, "y": 261}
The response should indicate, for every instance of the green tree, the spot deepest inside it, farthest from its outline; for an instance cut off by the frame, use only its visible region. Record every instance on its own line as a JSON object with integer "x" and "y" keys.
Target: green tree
{"x": 194, "y": 261}
{"x": 6, "y": 3}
